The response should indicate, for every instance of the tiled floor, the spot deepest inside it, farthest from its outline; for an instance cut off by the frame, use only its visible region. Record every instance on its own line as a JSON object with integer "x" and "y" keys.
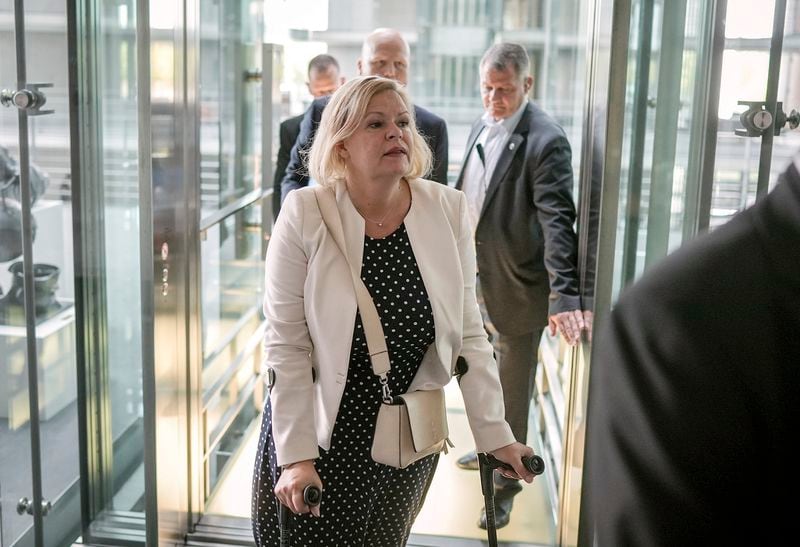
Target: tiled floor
{"x": 452, "y": 505}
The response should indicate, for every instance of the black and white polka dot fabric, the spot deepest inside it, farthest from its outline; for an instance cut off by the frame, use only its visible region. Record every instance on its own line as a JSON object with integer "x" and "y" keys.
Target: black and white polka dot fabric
{"x": 363, "y": 503}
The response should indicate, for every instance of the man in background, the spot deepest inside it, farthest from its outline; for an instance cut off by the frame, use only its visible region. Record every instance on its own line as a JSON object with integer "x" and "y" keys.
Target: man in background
{"x": 517, "y": 176}
{"x": 323, "y": 80}
{"x": 384, "y": 53}
{"x": 694, "y": 395}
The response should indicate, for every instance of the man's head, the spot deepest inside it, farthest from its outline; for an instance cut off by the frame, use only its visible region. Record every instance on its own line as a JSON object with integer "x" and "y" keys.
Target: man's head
{"x": 385, "y": 53}
{"x": 505, "y": 79}
{"x": 323, "y": 76}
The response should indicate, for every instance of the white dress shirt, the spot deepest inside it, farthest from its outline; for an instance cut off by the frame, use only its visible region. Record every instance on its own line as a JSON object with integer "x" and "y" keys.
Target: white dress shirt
{"x": 492, "y": 140}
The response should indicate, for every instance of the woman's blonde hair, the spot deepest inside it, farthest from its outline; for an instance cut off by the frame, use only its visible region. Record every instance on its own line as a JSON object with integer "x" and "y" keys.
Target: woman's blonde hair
{"x": 342, "y": 117}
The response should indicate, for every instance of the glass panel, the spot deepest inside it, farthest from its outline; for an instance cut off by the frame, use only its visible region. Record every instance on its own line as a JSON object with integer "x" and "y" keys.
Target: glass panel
{"x": 744, "y": 78}
{"x": 786, "y": 145}
{"x": 232, "y": 266}
{"x": 747, "y": 31}
{"x": 49, "y": 152}
{"x": 120, "y": 170}
{"x": 658, "y": 135}
{"x": 15, "y": 448}
{"x": 230, "y": 102}
{"x": 110, "y": 232}
{"x": 229, "y": 414}
{"x": 232, "y": 272}
{"x": 110, "y": 227}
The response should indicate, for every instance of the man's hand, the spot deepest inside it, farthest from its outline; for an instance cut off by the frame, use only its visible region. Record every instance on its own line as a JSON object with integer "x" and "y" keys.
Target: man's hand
{"x": 293, "y": 480}
{"x": 588, "y": 320}
{"x": 568, "y": 323}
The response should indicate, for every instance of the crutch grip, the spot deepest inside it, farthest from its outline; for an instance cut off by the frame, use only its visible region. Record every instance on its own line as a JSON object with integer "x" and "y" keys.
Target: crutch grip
{"x": 312, "y": 495}
{"x": 534, "y": 464}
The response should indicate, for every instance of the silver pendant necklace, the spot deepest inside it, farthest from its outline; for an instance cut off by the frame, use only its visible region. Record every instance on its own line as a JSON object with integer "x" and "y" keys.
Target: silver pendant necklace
{"x": 380, "y": 222}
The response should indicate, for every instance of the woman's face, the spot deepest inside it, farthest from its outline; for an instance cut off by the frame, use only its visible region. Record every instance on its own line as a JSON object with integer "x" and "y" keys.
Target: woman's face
{"x": 381, "y": 144}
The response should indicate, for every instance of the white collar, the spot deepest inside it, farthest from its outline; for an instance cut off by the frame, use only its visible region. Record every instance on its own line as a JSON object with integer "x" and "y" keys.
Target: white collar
{"x": 509, "y": 123}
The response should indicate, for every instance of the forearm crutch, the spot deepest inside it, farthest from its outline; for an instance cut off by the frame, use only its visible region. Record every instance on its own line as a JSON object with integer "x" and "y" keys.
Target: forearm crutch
{"x": 312, "y": 497}
{"x": 488, "y": 464}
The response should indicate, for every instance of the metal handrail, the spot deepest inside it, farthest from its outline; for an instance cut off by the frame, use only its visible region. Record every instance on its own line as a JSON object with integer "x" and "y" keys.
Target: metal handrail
{"x": 232, "y": 208}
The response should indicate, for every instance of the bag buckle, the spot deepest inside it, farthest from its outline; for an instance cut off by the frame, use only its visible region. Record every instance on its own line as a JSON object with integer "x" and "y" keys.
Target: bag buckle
{"x": 386, "y": 393}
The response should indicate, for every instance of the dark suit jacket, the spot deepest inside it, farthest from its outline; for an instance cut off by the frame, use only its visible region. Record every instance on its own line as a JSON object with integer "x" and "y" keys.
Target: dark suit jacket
{"x": 526, "y": 245}
{"x": 694, "y": 398}
{"x": 288, "y": 134}
{"x": 431, "y": 126}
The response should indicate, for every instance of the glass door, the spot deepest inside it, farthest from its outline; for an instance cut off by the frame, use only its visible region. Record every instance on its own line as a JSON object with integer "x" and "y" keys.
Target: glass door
{"x": 231, "y": 226}
{"x": 39, "y": 469}
{"x": 105, "y": 193}
{"x": 759, "y": 90}
{"x": 667, "y": 118}
{"x": 707, "y": 120}
{"x": 71, "y": 395}
{"x": 698, "y": 127}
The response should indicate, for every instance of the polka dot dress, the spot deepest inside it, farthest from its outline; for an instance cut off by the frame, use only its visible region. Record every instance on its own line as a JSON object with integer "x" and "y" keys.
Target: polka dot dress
{"x": 364, "y": 503}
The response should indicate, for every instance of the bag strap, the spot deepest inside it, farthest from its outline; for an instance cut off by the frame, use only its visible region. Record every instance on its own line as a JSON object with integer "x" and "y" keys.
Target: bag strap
{"x": 376, "y": 341}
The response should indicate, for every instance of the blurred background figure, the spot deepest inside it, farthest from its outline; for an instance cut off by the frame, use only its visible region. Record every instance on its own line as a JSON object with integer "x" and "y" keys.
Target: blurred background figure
{"x": 323, "y": 79}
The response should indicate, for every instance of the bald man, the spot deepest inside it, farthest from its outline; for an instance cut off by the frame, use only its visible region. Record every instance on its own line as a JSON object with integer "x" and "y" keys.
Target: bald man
{"x": 384, "y": 53}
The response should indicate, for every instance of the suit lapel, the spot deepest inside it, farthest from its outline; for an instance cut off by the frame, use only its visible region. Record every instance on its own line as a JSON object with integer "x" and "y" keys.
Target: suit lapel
{"x": 473, "y": 136}
{"x": 511, "y": 149}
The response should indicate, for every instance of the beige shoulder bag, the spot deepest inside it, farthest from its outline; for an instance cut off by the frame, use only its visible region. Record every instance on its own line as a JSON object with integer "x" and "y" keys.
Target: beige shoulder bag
{"x": 409, "y": 426}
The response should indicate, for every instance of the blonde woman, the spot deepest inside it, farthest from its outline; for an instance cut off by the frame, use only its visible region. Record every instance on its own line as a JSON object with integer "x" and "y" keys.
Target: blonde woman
{"x": 413, "y": 241}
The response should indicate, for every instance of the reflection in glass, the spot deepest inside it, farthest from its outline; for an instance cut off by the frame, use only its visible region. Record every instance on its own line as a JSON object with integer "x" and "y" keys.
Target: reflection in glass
{"x": 232, "y": 266}
{"x": 230, "y": 143}
{"x": 232, "y": 272}
{"x": 110, "y": 244}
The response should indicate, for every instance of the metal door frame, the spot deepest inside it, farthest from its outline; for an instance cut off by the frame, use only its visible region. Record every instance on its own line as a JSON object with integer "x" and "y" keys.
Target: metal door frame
{"x": 32, "y": 357}
{"x": 773, "y": 76}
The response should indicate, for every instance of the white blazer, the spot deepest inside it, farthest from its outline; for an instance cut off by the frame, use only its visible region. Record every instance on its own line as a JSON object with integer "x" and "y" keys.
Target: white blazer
{"x": 310, "y": 307}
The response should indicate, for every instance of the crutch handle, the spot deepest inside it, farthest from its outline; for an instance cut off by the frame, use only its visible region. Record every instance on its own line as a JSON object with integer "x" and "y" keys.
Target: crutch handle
{"x": 312, "y": 495}
{"x": 534, "y": 464}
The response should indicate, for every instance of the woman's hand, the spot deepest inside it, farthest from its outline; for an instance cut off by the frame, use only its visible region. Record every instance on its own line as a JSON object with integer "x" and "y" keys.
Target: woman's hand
{"x": 512, "y": 454}
{"x": 293, "y": 480}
